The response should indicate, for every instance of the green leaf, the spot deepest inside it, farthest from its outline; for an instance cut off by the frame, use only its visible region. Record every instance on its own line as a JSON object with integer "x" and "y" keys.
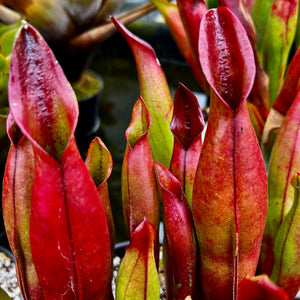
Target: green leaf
{"x": 260, "y": 16}
{"x": 284, "y": 163}
{"x": 156, "y": 94}
{"x": 212, "y": 3}
{"x": 137, "y": 277}
{"x": 3, "y": 89}
{"x": 3, "y": 295}
{"x": 3, "y": 63}
{"x": 286, "y": 272}
{"x": 280, "y": 33}
{"x": 7, "y": 40}
{"x": 99, "y": 161}
{"x": 297, "y": 35}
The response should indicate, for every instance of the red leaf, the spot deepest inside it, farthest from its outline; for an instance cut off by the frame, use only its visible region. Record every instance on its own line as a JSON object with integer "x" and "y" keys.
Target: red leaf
{"x": 68, "y": 226}
{"x": 139, "y": 192}
{"x": 99, "y": 163}
{"x": 171, "y": 14}
{"x": 259, "y": 94}
{"x": 230, "y": 188}
{"x": 290, "y": 86}
{"x": 16, "y": 198}
{"x": 179, "y": 230}
{"x": 191, "y": 13}
{"x": 187, "y": 122}
{"x": 260, "y": 288}
{"x": 226, "y": 56}
{"x": 239, "y": 9}
{"x": 187, "y": 125}
{"x": 49, "y": 114}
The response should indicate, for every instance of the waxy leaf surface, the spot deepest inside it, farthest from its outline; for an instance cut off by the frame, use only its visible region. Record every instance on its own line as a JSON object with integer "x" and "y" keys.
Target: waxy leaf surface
{"x": 137, "y": 277}
{"x": 155, "y": 92}
{"x": 187, "y": 125}
{"x": 179, "y": 230}
{"x": 284, "y": 163}
{"x": 259, "y": 95}
{"x": 191, "y": 13}
{"x": 226, "y": 54}
{"x": 50, "y": 111}
{"x": 230, "y": 193}
{"x": 68, "y": 226}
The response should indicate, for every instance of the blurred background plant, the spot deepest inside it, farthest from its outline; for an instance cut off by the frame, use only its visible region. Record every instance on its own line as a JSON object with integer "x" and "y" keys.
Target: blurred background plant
{"x": 73, "y": 29}
{"x": 7, "y": 34}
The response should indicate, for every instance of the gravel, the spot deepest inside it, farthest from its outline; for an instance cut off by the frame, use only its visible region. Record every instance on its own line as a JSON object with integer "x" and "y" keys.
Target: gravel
{"x": 8, "y": 277}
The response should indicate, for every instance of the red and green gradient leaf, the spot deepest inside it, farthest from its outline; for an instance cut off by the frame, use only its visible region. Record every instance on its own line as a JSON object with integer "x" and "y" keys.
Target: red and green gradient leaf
{"x": 284, "y": 163}
{"x": 155, "y": 92}
{"x": 171, "y": 14}
{"x": 230, "y": 193}
{"x": 68, "y": 226}
{"x": 290, "y": 86}
{"x": 286, "y": 272}
{"x": 139, "y": 191}
{"x": 191, "y": 13}
{"x": 16, "y": 199}
{"x": 179, "y": 230}
{"x": 137, "y": 277}
{"x": 99, "y": 163}
{"x": 49, "y": 114}
{"x": 284, "y": 100}
{"x": 279, "y": 38}
{"x": 187, "y": 125}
